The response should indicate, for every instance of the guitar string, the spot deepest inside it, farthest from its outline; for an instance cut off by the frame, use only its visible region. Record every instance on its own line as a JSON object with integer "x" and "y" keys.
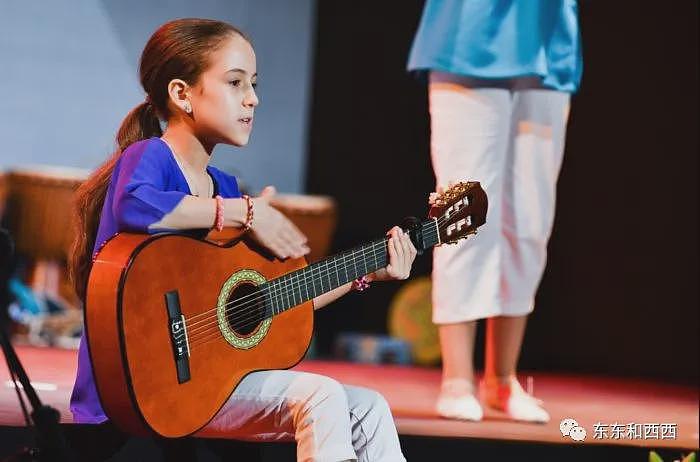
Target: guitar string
{"x": 292, "y": 285}
{"x": 251, "y": 319}
{"x": 258, "y": 316}
{"x": 197, "y": 333}
{"x": 279, "y": 288}
{"x": 242, "y": 298}
{"x": 214, "y": 334}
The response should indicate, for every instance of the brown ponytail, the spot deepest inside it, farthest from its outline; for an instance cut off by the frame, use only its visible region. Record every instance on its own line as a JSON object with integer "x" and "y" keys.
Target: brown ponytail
{"x": 139, "y": 124}
{"x": 178, "y": 49}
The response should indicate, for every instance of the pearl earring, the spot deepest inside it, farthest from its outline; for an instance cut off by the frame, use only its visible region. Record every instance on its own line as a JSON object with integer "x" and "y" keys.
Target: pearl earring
{"x": 188, "y": 108}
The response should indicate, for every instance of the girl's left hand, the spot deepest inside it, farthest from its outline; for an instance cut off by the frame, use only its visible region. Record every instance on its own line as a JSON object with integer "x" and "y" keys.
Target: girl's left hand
{"x": 401, "y": 256}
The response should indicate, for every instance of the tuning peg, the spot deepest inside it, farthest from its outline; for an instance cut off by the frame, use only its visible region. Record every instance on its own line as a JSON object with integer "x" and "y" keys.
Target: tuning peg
{"x": 437, "y": 199}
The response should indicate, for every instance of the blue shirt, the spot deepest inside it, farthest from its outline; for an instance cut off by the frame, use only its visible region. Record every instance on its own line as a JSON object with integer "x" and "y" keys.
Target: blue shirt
{"x": 501, "y": 39}
{"x": 146, "y": 185}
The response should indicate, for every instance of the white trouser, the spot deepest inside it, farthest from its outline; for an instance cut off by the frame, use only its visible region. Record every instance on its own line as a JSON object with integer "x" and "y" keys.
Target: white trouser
{"x": 512, "y": 141}
{"x": 329, "y": 421}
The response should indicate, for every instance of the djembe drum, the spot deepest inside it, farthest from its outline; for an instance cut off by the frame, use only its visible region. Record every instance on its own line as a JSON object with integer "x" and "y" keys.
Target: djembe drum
{"x": 39, "y": 207}
{"x": 314, "y": 215}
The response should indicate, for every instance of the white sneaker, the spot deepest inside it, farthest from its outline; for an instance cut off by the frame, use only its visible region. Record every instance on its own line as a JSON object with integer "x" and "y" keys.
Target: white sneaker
{"x": 464, "y": 407}
{"x": 457, "y": 401}
{"x": 513, "y": 400}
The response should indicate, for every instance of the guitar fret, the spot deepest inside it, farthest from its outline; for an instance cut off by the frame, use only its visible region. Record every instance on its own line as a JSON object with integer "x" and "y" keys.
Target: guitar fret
{"x": 374, "y": 255}
{"x": 313, "y": 280}
{"x": 280, "y": 294}
{"x": 274, "y": 294}
{"x": 384, "y": 254}
{"x": 345, "y": 267}
{"x": 271, "y": 295}
{"x": 293, "y": 290}
{"x": 431, "y": 233}
{"x": 287, "y": 295}
{"x": 351, "y": 266}
{"x": 302, "y": 284}
{"x": 297, "y": 289}
{"x": 364, "y": 261}
{"x": 310, "y": 284}
{"x": 321, "y": 273}
{"x": 337, "y": 275}
{"x": 270, "y": 288}
{"x": 328, "y": 275}
{"x": 268, "y": 296}
{"x": 309, "y": 281}
{"x": 306, "y": 287}
{"x": 283, "y": 293}
{"x": 322, "y": 270}
{"x": 320, "y": 278}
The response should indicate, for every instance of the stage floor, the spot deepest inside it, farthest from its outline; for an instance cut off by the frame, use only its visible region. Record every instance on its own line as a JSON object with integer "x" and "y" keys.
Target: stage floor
{"x": 411, "y": 393}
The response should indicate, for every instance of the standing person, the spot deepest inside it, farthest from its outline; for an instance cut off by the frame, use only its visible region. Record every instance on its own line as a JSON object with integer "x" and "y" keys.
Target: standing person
{"x": 200, "y": 78}
{"x": 500, "y": 75}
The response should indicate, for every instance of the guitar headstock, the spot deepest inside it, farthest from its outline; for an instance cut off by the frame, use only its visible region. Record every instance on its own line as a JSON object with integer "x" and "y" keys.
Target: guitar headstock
{"x": 458, "y": 211}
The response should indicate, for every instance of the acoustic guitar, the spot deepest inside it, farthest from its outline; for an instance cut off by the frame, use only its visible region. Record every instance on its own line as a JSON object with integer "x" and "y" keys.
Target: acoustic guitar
{"x": 174, "y": 322}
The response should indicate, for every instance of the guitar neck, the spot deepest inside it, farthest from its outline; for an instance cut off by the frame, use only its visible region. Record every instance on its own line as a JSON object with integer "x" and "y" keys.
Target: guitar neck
{"x": 323, "y": 276}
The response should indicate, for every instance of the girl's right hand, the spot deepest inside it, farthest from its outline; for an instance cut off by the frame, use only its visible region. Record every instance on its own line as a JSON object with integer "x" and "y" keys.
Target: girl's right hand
{"x": 275, "y": 231}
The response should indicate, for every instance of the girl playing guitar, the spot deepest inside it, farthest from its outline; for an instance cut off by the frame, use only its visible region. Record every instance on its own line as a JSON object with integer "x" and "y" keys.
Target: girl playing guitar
{"x": 199, "y": 77}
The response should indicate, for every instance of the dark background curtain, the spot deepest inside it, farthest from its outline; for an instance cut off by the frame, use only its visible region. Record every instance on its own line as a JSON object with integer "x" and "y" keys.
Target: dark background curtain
{"x": 620, "y": 293}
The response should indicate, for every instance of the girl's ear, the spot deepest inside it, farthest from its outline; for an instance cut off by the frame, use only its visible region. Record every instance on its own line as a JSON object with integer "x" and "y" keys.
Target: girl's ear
{"x": 179, "y": 95}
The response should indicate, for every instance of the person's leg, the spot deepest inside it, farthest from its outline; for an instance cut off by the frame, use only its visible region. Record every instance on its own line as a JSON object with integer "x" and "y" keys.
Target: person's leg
{"x": 286, "y": 405}
{"x": 374, "y": 435}
{"x": 457, "y": 398}
{"x": 504, "y": 336}
{"x": 457, "y": 343}
{"x": 500, "y": 387}
{"x": 534, "y": 157}
{"x": 469, "y": 133}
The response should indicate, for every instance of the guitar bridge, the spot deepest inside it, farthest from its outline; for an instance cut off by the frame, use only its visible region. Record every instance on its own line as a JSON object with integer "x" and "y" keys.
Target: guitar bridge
{"x": 178, "y": 336}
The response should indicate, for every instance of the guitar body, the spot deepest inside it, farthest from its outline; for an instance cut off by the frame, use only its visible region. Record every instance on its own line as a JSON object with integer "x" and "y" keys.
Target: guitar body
{"x": 130, "y": 331}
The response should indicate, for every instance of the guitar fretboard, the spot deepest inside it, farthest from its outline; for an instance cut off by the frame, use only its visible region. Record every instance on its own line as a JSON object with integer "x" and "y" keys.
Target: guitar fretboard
{"x": 307, "y": 283}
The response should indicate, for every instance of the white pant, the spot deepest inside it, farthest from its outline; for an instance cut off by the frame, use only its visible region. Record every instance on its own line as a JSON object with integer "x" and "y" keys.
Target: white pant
{"x": 329, "y": 421}
{"x": 512, "y": 141}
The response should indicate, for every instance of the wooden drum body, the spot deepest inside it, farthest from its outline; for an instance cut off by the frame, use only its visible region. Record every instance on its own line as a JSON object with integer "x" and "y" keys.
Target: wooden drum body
{"x": 315, "y": 216}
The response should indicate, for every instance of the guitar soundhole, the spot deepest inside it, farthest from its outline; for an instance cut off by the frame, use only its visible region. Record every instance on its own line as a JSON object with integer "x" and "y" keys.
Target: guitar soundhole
{"x": 245, "y": 309}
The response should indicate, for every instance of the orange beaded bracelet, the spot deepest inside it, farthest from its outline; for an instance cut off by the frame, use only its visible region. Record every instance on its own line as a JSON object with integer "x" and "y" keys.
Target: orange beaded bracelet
{"x": 249, "y": 214}
{"x": 219, "y": 220}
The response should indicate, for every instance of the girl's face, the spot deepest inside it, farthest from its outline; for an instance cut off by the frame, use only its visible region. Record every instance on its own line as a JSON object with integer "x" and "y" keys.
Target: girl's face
{"x": 224, "y": 99}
